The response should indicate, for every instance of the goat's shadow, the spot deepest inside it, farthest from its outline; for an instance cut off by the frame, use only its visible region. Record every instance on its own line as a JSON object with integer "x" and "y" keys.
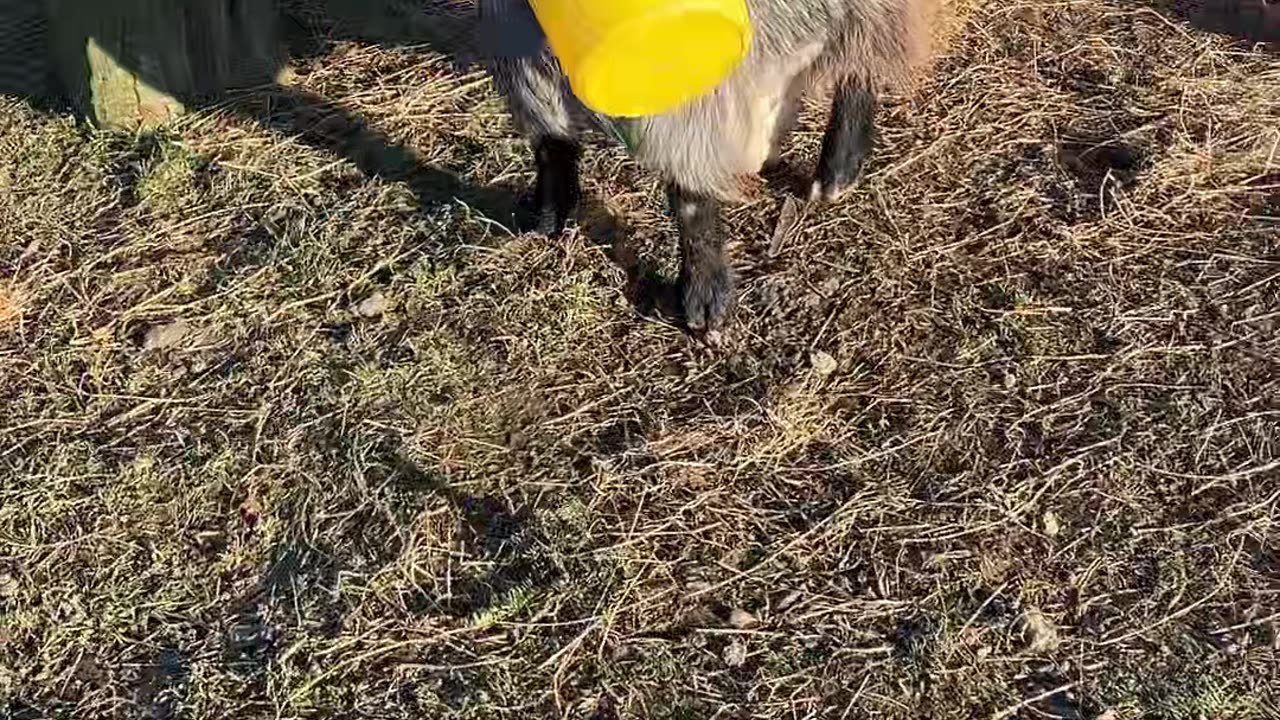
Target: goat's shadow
{"x": 301, "y": 585}
{"x": 312, "y": 25}
{"x": 302, "y": 30}
{"x": 258, "y": 38}
{"x": 310, "y": 28}
{"x": 1251, "y": 21}
{"x": 325, "y": 124}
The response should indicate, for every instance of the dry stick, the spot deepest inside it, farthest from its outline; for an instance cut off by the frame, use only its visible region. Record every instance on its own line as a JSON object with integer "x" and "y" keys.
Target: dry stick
{"x": 562, "y": 658}
{"x": 1048, "y": 477}
{"x": 856, "y": 696}
{"x": 972, "y": 618}
{"x": 1230, "y": 477}
{"x": 1244, "y": 625}
{"x": 1032, "y": 701}
{"x": 370, "y": 655}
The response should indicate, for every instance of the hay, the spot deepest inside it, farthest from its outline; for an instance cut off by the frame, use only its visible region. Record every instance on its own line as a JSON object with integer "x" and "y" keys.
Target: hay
{"x": 509, "y": 494}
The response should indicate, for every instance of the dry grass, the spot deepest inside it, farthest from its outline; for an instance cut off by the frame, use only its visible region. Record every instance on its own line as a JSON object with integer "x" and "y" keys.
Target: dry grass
{"x": 998, "y": 436}
{"x": 10, "y": 309}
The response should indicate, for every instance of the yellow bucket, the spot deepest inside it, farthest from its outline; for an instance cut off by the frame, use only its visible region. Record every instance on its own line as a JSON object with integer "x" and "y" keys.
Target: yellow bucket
{"x": 644, "y": 57}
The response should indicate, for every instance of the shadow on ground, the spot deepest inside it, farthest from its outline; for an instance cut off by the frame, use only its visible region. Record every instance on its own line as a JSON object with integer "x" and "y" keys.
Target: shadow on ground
{"x": 300, "y": 588}
{"x": 304, "y": 28}
{"x": 1254, "y": 21}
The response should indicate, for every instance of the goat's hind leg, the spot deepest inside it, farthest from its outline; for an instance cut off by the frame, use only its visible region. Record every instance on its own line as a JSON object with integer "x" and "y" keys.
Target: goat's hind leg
{"x": 847, "y": 142}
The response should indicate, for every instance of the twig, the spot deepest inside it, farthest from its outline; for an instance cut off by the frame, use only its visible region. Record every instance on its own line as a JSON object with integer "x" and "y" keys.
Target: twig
{"x": 1032, "y": 701}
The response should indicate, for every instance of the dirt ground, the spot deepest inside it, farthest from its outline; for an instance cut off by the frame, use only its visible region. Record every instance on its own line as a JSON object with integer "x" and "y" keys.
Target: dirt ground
{"x": 293, "y": 425}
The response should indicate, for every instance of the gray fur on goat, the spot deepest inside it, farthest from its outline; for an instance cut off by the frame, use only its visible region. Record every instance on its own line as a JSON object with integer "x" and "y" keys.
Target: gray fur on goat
{"x": 717, "y": 144}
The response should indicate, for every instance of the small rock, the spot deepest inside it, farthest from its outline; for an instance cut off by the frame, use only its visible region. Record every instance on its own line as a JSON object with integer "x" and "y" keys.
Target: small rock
{"x": 162, "y": 337}
{"x": 245, "y": 635}
{"x": 33, "y": 247}
{"x": 1051, "y": 525}
{"x": 791, "y": 599}
{"x": 741, "y": 619}
{"x": 735, "y": 653}
{"x": 1040, "y": 634}
{"x": 823, "y": 363}
{"x": 788, "y": 219}
{"x": 373, "y": 306}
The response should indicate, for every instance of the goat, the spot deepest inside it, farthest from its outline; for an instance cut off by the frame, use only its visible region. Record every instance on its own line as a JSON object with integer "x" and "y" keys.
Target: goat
{"x": 711, "y": 150}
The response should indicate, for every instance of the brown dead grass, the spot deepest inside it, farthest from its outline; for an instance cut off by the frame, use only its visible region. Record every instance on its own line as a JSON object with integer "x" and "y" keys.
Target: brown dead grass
{"x": 998, "y": 436}
{"x": 10, "y": 309}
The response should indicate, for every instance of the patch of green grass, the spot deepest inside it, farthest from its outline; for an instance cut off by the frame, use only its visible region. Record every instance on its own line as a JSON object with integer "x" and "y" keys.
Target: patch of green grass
{"x": 168, "y": 184}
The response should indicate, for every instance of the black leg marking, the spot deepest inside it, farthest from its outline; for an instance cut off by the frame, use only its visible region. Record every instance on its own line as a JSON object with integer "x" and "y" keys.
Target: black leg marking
{"x": 847, "y": 142}
{"x": 557, "y": 186}
{"x": 706, "y": 283}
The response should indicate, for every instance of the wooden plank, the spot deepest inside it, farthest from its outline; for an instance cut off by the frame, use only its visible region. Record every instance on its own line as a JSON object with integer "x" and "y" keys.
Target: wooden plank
{"x": 24, "y": 35}
{"x": 131, "y": 63}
